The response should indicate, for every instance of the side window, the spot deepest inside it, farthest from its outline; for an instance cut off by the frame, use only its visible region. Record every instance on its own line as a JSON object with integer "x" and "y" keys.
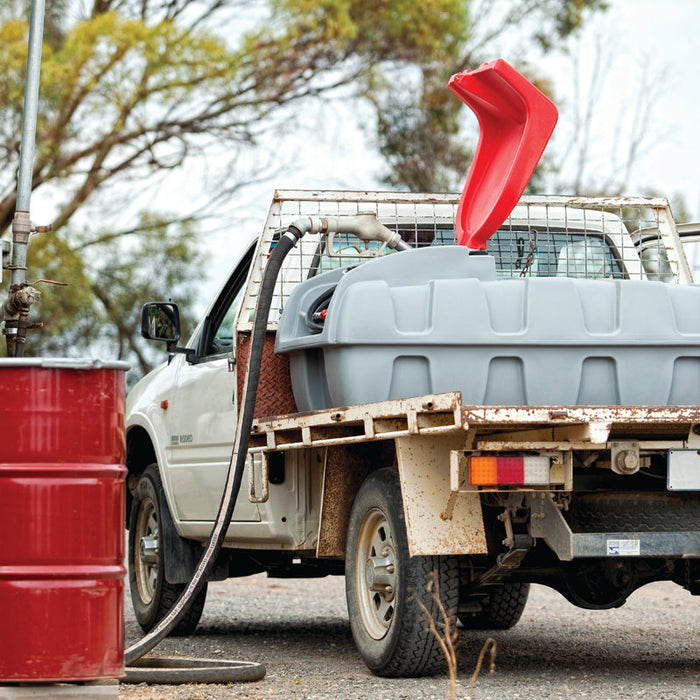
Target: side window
{"x": 222, "y": 339}
{"x": 217, "y": 334}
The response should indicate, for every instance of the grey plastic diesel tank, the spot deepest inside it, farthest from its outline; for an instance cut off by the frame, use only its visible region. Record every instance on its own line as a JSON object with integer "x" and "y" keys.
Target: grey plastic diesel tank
{"x": 436, "y": 319}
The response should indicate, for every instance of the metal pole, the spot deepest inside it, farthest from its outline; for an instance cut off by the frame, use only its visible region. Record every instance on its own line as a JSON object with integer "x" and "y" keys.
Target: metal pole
{"x": 21, "y": 224}
{"x": 31, "y": 104}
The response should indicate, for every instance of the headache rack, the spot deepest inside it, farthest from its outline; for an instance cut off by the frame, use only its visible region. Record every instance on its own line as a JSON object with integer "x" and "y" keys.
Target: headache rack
{"x": 591, "y": 237}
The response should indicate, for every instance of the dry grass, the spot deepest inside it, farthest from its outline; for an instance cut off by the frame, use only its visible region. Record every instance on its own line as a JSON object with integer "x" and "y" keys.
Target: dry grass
{"x": 445, "y": 631}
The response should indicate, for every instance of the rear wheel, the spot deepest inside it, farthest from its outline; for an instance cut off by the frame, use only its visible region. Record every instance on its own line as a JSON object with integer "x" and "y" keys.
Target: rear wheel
{"x": 383, "y": 585}
{"x": 502, "y": 609}
{"x": 152, "y": 596}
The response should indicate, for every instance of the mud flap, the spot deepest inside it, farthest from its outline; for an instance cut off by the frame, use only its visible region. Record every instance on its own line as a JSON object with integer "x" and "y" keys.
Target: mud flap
{"x": 424, "y": 468}
{"x": 182, "y": 555}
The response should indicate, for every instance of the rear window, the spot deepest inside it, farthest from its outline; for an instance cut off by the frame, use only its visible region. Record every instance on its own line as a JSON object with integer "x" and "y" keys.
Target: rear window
{"x": 518, "y": 251}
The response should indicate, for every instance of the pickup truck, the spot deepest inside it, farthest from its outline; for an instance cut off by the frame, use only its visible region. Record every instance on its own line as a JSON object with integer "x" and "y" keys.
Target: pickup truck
{"x": 400, "y": 460}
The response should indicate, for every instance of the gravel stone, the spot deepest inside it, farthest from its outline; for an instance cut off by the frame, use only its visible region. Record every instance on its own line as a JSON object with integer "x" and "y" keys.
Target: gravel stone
{"x": 299, "y": 629}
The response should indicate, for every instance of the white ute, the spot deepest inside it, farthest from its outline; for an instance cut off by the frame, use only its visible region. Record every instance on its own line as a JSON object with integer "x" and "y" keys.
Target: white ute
{"x": 593, "y": 500}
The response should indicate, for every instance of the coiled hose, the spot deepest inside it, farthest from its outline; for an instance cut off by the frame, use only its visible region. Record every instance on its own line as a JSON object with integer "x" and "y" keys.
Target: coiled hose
{"x": 364, "y": 226}
{"x": 236, "y": 467}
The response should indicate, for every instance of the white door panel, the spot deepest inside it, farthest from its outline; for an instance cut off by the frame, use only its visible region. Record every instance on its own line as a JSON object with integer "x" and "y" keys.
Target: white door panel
{"x": 202, "y": 426}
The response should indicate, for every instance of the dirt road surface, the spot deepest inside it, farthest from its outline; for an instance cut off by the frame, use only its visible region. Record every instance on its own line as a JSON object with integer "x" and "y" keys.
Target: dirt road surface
{"x": 649, "y": 648}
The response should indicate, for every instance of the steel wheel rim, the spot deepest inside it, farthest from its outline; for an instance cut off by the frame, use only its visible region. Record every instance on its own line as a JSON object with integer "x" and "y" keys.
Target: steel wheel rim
{"x": 375, "y": 576}
{"x": 146, "y": 573}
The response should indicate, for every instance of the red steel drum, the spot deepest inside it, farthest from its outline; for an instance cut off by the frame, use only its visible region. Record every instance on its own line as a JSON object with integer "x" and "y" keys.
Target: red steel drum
{"x": 62, "y": 499}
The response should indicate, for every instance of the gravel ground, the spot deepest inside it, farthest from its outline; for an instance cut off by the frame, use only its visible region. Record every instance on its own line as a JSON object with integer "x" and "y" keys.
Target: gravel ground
{"x": 299, "y": 630}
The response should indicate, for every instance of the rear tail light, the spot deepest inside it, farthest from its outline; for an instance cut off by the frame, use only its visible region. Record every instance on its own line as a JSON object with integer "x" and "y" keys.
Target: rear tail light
{"x": 525, "y": 470}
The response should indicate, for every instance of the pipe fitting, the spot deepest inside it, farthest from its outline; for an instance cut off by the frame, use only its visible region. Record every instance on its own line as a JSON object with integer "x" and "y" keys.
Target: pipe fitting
{"x": 624, "y": 457}
{"x": 627, "y": 462}
{"x": 21, "y": 228}
{"x": 366, "y": 227}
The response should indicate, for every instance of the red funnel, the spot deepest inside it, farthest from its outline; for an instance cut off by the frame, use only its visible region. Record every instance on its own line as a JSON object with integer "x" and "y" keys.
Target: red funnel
{"x": 516, "y": 121}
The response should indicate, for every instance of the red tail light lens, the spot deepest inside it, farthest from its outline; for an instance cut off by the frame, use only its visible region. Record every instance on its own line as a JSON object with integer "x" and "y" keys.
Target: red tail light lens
{"x": 526, "y": 470}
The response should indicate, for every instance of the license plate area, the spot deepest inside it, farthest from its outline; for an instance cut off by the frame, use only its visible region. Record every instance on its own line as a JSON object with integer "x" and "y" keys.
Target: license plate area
{"x": 683, "y": 470}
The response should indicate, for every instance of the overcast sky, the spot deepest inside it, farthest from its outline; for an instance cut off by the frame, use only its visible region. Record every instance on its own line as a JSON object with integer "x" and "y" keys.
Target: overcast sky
{"x": 655, "y": 36}
{"x": 642, "y": 36}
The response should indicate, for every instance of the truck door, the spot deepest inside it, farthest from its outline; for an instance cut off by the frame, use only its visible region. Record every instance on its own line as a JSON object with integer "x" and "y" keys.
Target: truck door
{"x": 203, "y": 413}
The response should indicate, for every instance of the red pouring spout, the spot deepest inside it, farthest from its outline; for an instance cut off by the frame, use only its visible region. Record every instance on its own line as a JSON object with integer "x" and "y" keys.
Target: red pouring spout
{"x": 515, "y": 121}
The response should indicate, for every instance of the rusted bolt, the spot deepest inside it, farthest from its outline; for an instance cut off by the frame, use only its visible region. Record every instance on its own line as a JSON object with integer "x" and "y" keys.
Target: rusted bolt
{"x": 428, "y": 406}
{"x": 255, "y": 429}
{"x": 336, "y": 416}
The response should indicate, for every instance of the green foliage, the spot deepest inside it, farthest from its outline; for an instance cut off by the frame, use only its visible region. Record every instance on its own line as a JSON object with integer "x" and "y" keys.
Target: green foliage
{"x": 384, "y": 30}
{"x": 420, "y": 127}
{"x": 108, "y": 284}
{"x": 135, "y": 88}
{"x": 564, "y": 19}
{"x": 420, "y": 139}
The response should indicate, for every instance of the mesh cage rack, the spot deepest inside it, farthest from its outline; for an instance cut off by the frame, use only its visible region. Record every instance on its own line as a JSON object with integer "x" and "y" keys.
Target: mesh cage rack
{"x": 614, "y": 238}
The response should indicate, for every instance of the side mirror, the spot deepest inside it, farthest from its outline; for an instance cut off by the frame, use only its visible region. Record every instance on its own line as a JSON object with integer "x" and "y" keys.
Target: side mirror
{"x": 160, "y": 320}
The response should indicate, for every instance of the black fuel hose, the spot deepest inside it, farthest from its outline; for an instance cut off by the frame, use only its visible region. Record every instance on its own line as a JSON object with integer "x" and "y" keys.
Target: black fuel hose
{"x": 236, "y": 467}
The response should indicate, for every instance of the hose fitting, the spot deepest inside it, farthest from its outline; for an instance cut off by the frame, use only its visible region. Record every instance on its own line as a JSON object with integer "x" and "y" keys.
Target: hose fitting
{"x": 306, "y": 224}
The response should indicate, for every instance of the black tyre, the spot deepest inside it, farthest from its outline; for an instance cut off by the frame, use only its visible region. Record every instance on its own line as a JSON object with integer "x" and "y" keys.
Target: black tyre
{"x": 502, "y": 610}
{"x": 151, "y": 595}
{"x": 381, "y": 580}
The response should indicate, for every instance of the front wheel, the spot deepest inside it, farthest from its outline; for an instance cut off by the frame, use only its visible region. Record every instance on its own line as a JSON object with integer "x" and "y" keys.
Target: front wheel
{"x": 383, "y": 585}
{"x": 151, "y": 594}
